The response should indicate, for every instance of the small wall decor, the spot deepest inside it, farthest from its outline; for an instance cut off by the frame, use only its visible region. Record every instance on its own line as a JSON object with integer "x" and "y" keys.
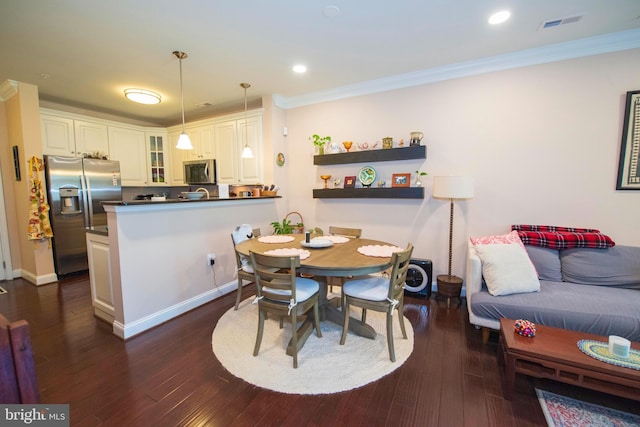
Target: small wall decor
{"x": 280, "y": 159}
{"x": 16, "y": 162}
{"x": 349, "y": 181}
{"x": 629, "y": 165}
{"x": 400, "y": 180}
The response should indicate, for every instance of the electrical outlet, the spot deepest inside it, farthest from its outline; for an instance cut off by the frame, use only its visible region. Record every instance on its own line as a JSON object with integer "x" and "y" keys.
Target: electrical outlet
{"x": 211, "y": 258}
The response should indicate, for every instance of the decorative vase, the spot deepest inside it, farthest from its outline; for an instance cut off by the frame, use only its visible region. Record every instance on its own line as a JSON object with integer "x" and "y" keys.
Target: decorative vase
{"x": 321, "y": 149}
{"x": 418, "y": 182}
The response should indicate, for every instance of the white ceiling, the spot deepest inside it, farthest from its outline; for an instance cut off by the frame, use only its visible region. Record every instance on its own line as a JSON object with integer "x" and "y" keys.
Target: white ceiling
{"x": 92, "y": 50}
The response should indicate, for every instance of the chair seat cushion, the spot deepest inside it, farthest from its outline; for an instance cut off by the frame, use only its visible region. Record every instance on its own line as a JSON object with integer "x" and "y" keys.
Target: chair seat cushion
{"x": 372, "y": 288}
{"x": 305, "y": 289}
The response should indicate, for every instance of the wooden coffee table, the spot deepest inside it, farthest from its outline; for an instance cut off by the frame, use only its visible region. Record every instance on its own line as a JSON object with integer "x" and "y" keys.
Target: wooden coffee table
{"x": 553, "y": 353}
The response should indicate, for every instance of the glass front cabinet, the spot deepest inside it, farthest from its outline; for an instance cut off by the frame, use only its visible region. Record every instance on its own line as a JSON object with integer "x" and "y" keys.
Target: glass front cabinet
{"x": 159, "y": 164}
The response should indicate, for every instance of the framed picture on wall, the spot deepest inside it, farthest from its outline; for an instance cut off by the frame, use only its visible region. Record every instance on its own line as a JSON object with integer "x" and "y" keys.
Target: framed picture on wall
{"x": 349, "y": 181}
{"x": 629, "y": 164}
{"x": 400, "y": 180}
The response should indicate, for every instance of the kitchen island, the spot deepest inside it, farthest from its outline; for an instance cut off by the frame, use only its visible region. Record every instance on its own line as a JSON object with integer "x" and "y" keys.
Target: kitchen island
{"x": 158, "y": 255}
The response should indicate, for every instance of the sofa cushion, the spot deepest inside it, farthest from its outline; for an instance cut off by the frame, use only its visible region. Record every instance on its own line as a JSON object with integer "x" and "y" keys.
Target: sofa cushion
{"x": 505, "y": 239}
{"x": 618, "y": 266}
{"x": 507, "y": 269}
{"x": 546, "y": 261}
{"x": 592, "y": 309}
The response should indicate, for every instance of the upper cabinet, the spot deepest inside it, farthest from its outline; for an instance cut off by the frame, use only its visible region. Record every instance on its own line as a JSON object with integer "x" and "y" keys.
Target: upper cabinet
{"x": 127, "y": 145}
{"x": 158, "y": 158}
{"x": 64, "y": 136}
{"x": 91, "y": 138}
{"x": 230, "y": 138}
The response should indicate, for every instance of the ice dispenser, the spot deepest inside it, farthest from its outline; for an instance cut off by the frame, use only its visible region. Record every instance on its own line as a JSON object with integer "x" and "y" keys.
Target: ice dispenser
{"x": 69, "y": 200}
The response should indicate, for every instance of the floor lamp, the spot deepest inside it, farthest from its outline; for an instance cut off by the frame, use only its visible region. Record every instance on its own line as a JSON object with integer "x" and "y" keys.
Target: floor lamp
{"x": 451, "y": 187}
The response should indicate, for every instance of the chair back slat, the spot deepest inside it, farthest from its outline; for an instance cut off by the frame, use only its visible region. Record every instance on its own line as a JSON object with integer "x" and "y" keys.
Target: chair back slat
{"x": 400, "y": 261}
{"x": 346, "y": 232}
{"x": 275, "y": 276}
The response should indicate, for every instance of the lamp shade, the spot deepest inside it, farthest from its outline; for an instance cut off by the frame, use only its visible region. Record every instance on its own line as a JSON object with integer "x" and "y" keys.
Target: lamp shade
{"x": 184, "y": 143}
{"x": 247, "y": 153}
{"x": 453, "y": 187}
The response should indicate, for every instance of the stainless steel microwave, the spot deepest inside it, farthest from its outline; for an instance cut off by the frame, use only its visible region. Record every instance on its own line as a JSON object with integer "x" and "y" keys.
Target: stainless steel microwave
{"x": 200, "y": 171}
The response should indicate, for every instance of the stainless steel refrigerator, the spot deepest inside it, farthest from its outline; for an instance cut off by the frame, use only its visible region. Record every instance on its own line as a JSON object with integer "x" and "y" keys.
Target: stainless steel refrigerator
{"x": 76, "y": 187}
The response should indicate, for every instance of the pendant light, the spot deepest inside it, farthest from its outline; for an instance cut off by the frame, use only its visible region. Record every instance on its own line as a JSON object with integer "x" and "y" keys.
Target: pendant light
{"x": 246, "y": 152}
{"x": 184, "y": 143}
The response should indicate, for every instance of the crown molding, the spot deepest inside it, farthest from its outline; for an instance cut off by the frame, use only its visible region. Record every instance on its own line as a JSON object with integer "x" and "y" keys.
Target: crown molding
{"x": 612, "y": 42}
{"x": 8, "y": 89}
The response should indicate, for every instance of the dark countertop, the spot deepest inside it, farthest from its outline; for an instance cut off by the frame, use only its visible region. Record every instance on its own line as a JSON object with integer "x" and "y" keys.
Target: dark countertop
{"x": 212, "y": 199}
{"x": 99, "y": 229}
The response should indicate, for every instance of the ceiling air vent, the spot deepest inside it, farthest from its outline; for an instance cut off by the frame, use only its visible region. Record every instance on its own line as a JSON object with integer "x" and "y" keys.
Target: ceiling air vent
{"x": 552, "y": 23}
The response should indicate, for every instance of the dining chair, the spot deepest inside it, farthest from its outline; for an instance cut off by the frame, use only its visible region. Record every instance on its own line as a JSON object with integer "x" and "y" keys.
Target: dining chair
{"x": 243, "y": 264}
{"x": 352, "y": 233}
{"x": 380, "y": 294}
{"x": 282, "y": 293}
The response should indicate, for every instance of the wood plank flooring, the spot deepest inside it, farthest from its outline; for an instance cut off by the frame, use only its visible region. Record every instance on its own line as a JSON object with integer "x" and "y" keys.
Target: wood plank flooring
{"x": 169, "y": 376}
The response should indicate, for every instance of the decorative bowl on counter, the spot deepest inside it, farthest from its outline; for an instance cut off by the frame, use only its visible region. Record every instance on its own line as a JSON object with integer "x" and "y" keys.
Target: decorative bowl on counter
{"x": 193, "y": 195}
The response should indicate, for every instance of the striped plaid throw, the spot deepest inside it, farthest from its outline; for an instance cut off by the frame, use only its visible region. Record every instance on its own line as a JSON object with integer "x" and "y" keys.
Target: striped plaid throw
{"x": 555, "y": 237}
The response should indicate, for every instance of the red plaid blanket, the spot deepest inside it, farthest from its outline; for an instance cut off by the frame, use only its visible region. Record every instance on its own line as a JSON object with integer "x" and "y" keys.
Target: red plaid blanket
{"x": 554, "y": 237}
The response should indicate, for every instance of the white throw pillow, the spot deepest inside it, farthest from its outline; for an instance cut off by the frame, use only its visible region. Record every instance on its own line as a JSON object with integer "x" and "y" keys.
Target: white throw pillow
{"x": 507, "y": 269}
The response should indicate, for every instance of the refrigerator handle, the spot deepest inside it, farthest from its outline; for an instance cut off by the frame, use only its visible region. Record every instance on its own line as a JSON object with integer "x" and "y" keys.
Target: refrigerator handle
{"x": 89, "y": 202}
{"x": 86, "y": 202}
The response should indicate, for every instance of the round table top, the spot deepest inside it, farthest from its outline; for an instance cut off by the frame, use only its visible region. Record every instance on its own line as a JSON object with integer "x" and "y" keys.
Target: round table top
{"x": 339, "y": 259}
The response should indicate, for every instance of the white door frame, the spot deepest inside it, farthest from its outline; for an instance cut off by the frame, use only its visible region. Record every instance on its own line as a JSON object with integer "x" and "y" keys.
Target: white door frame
{"x": 6, "y": 268}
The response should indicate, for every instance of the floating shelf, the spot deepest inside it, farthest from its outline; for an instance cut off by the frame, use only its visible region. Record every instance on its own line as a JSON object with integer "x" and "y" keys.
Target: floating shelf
{"x": 370, "y": 193}
{"x": 405, "y": 153}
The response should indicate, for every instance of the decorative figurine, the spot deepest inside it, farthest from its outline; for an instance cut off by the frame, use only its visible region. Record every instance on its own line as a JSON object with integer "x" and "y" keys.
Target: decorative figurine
{"x": 416, "y": 137}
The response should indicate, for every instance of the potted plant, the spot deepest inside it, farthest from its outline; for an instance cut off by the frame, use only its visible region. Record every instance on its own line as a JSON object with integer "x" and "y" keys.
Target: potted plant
{"x": 319, "y": 142}
{"x": 418, "y": 175}
{"x": 283, "y": 227}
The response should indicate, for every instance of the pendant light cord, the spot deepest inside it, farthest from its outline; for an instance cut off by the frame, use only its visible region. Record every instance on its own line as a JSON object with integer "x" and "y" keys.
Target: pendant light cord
{"x": 181, "y": 93}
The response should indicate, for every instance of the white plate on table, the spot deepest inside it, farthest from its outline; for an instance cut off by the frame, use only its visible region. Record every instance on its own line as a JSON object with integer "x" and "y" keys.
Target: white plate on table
{"x": 317, "y": 243}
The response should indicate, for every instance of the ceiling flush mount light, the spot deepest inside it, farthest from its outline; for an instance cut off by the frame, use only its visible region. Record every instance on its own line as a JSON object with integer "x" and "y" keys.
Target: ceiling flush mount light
{"x": 142, "y": 96}
{"x": 299, "y": 69}
{"x": 499, "y": 17}
{"x": 184, "y": 143}
{"x": 246, "y": 152}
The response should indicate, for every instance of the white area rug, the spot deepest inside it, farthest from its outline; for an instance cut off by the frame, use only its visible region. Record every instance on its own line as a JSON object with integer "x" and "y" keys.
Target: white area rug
{"x": 324, "y": 366}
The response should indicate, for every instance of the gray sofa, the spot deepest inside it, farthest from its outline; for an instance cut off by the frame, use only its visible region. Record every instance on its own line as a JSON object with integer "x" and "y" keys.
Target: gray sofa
{"x": 589, "y": 290}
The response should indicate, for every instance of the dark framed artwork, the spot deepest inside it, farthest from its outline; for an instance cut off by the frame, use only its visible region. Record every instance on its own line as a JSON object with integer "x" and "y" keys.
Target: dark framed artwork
{"x": 16, "y": 162}
{"x": 349, "y": 181}
{"x": 400, "y": 180}
{"x": 629, "y": 164}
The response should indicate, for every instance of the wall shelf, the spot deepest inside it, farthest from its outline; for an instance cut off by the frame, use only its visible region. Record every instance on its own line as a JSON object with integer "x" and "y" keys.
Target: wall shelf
{"x": 405, "y": 153}
{"x": 370, "y": 193}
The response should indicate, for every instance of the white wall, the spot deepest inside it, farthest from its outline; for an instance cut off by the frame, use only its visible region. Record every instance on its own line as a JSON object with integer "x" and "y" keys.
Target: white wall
{"x": 542, "y": 143}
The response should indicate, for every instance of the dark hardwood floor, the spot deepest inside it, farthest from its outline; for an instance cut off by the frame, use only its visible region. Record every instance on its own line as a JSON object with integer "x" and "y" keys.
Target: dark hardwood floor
{"x": 169, "y": 376}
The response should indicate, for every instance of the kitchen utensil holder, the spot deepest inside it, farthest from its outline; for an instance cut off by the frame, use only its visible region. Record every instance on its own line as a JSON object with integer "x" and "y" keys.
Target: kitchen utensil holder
{"x": 297, "y": 229}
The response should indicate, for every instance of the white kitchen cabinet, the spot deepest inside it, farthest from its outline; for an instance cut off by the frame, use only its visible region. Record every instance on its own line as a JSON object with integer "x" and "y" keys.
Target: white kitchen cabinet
{"x": 158, "y": 159}
{"x": 58, "y": 137}
{"x": 91, "y": 138}
{"x": 202, "y": 141}
{"x": 230, "y": 137}
{"x": 64, "y": 136}
{"x": 100, "y": 276}
{"x": 127, "y": 145}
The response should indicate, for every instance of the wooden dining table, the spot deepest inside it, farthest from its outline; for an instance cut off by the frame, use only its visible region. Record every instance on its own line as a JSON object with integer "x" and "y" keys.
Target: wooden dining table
{"x": 337, "y": 260}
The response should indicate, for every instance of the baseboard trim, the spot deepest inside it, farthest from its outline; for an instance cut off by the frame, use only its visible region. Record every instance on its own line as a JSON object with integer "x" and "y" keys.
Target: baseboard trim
{"x": 131, "y": 329}
{"x": 37, "y": 280}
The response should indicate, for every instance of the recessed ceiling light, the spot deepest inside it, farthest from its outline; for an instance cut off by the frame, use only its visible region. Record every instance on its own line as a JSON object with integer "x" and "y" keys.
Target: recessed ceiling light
{"x": 499, "y": 17}
{"x": 299, "y": 68}
{"x": 142, "y": 96}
